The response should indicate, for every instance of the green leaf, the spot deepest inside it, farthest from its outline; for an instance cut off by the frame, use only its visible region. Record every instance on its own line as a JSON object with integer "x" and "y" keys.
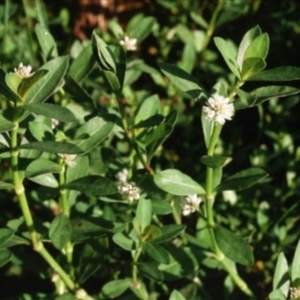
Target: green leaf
{"x": 151, "y": 271}
{"x": 94, "y": 185}
{"x": 229, "y": 54}
{"x": 85, "y": 228}
{"x": 169, "y": 232}
{"x": 5, "y": 89}
{"x": 234, "y": 246}
{"x": 115, "y": 288}
{"x": 183, "y": 80}
{"x": 207, "y": 127}
{"x": 242, "y": 180}
{"x": 93, "y": 132}
{"x": 60, "y": 231}
{"x": 157, "y": 137}
{"x": 42, "y": 166}
{"x": 252, "y": 66}
{"x": 277, "y": 74}
{"x": 215, "y": 161}
{"x": 39, "y": 129}
{"x": 176, "y": 183}
{"x": 51, "y": 111}
{"x": 17, "y": 240}
{"x": 276, "y": 295}
{"x": 157, "y": 252}
{"x": 53, "y": 147}
{"x": 295, "y": 269}
{"x": 248, "y": 38}
{"x": 77, "y": 92}
{"x": 5, "y": 256}
{"x": 120, "y": 59}
{"x": 103, "y": 54}
{"x": 262, "y": 94}
{"x": 151, "y": 232}
{"x": 143, "y": 29}
{"x": 66, "y": 296}
{"x": 150, "y": 107}
{"x": 281, "y": 279}
{"x": 144, "y": 213}
{"x": 5, "y": 235}
{"x": 13, "y": 81}
{"x": 160, "y": 207}
{"x": 46, "y": 41}
{"x": 176, "y": 296}
{"x": 150, "y": 122}
{"x": 47, "y": 179}
{"x": 83, "y": 64}
{"x": 41, "y": 90}
{"x": 124, "y": 242}
{"x": 259, "y": 48}
{"x": 26, "y": 83}
{"x": 113, "y": 81}
{"x": 5, "y": 185}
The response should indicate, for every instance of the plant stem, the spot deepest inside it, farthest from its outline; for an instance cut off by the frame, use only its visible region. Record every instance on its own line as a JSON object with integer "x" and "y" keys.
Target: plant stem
{"x": 136, "y": 282}
{"x": 37, "y": 244}
{"x": 212, "y": 24}
{"x": 210, "y": 216}
{"x": 64, "y": 203}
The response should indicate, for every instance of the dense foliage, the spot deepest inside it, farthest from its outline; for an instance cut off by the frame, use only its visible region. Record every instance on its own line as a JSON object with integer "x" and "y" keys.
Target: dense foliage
{"x": 156, "y": 159}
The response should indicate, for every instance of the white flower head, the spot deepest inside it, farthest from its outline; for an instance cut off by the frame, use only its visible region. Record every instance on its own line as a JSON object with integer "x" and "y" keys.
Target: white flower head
{"x": 122, "y": 176}
{"x": 54, "y": 123}
{"x": 218, "y": 109}
{"x": 129, "y": 190}
{"x": 69, "y": 159}
{"x": 190, "y": 204}
{"x": 294, "y": 293}
{"x": 24, "y": 71}
{"x": 129, "y": 43}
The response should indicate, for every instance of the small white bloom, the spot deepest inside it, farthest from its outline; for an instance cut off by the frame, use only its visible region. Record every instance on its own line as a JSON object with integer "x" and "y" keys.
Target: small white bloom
{"x": 54, "y": 123}
{"x": 190, "y": 204}
{"x": 69, "y": 159}
{"x": 218, "y": 109}
{"x": 24, "y": 71}
{"x": 129, "y": 190}
{"x": 122, "y": 176}
{"x": 129, "y": 43}
{"x": 294, "y": 293}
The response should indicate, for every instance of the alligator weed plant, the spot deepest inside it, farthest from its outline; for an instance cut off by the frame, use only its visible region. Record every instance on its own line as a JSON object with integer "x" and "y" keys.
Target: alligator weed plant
{"x": 98, "y": 216}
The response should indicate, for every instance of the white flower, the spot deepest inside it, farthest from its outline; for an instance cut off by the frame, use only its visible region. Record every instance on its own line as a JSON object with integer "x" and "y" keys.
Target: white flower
{"x": 129, "y": 190}
{"x": 129, "y": 44}
{"x": 69, "y": 159}
{"x": 190, "y": 204}
{"x": 294, "y": 293}
{"x": 122, "y": 176}
{"x": 54, "y": 123}
{"x": 218, "y": 109}
{"x": 24, "y": 71}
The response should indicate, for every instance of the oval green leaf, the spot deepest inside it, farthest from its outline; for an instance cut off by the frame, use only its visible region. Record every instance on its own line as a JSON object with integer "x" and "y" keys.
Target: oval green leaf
{"x": 177, "y": 183}
{"x": 242, "y": 180}
{"x": 157, "y": 252}
{"x": 42, "y": 166}
{"x": 60, "y": 231}
{"x": 51, "y": 111}
{"x": 95, "y": 185}
{"x": 234, "y": 246}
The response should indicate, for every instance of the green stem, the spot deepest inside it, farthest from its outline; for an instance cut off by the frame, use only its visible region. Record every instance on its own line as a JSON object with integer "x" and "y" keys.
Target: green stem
{"x": 212, "y": 24}
{"x": 130, "y": 136}
{"x": 64, "y": 203}
{"x": 136, "y": 282}
{"x": 210, "y": 216}
{"x": 37, "y": 244}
